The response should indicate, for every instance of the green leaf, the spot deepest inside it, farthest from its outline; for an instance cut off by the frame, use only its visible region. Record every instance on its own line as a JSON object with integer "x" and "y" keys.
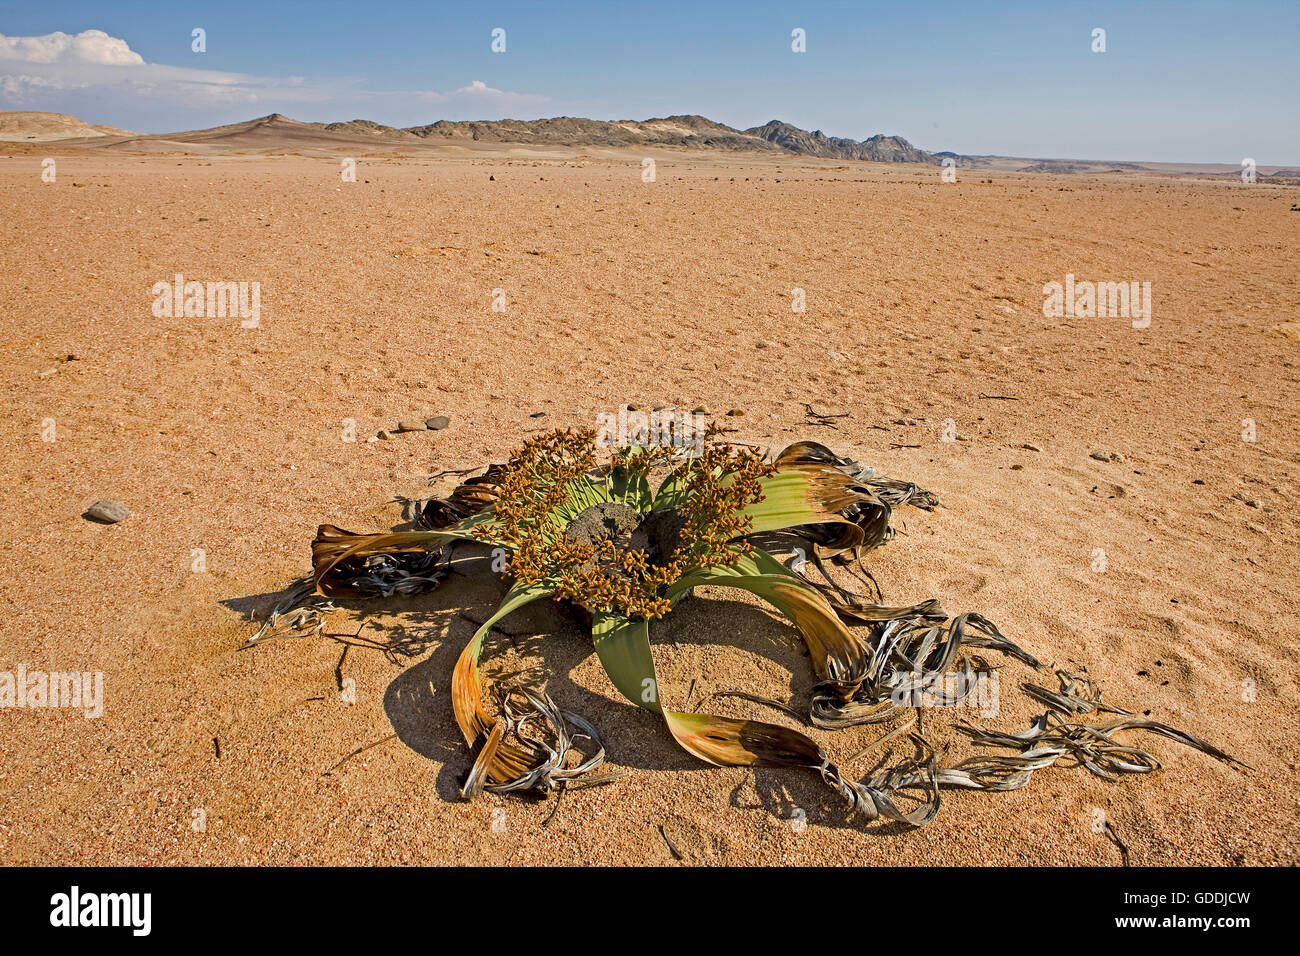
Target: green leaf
{"x": 836, "y": 653}
{"x": 582, "y": 494}
{"x": 671, "y": 493}
{"x": 758, "y": 564}
{"x": 785, "y": 504}
{"x": 630, "y": 488}
{"x": 623, "y": 647}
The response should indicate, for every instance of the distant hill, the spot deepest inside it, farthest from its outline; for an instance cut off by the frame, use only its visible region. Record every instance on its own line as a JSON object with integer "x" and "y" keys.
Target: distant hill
{"x": 688, "y": 132}
{"x": 35, "y": 127}
{"x": 1079, "y": 166}
{"x": 774, "y": 139}
{"x": 877, "y": 149}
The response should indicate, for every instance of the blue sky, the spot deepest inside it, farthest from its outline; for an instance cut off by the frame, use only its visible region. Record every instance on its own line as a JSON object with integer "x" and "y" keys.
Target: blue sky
{"x": 1192, "y": 81}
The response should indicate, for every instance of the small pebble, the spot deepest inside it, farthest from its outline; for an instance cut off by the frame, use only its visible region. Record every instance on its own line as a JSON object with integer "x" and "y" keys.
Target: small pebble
{"x": 107, "y": 511}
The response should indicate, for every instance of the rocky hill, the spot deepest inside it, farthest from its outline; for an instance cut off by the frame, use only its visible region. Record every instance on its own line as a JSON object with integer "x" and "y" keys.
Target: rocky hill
{"x": 877, "y": 149}
{"x": 687, "y": 131}
{"x": 683, "y": 131}
{"x": 38, "y": 127}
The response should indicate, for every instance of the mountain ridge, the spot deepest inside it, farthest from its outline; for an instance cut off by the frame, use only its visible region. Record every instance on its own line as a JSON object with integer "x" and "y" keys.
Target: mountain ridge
{"x": 879, "y": 148}
{"x": 688, "y": 130}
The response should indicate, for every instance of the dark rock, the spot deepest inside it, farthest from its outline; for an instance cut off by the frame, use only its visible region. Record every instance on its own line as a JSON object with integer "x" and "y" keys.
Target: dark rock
{"x": 618, "y": 522}
{"x": 437, "y": 422}
{"x": 608, "y": 519}
{"x": 663, "y": 530}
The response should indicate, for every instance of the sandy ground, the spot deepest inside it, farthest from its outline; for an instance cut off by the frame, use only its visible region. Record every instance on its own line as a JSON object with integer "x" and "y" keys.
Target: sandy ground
{"x": 376, "y": 297}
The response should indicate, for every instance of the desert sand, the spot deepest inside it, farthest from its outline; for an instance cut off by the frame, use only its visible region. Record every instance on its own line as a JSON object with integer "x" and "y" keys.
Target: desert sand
{"x": 923, "y": 297}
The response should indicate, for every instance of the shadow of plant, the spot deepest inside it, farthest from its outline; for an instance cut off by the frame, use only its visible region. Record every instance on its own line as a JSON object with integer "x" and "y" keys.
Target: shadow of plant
{"x": 545, "y": 645}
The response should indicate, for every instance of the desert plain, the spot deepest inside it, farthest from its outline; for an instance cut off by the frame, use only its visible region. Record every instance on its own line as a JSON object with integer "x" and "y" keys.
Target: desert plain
{"x": 1168, "y": 570}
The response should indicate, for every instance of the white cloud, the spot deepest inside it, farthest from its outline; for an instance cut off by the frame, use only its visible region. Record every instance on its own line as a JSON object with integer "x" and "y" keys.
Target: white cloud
{"x": 59, "y": 70}
{"x": 477, "y": 95}
{"x": 94, "y": 61}
{"x": 89, "y": 46}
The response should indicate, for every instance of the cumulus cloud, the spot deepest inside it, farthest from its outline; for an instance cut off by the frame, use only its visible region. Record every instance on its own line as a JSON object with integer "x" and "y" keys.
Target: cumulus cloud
{"x": 89, "y": 46}
{"x": 65, "y": 72}
{"x": 94, "y": 61}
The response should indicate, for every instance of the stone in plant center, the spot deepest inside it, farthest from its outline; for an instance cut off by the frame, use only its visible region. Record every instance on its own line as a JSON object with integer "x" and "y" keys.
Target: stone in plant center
{"x": 606, "y": 519}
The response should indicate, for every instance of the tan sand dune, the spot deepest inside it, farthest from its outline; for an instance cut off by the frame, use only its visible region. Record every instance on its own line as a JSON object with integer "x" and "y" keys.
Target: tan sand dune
{"x": 924, "y": 303}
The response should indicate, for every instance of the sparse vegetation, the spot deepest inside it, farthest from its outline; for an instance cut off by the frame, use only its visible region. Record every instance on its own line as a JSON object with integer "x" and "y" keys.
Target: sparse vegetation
{"x": 597, "y": 536}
